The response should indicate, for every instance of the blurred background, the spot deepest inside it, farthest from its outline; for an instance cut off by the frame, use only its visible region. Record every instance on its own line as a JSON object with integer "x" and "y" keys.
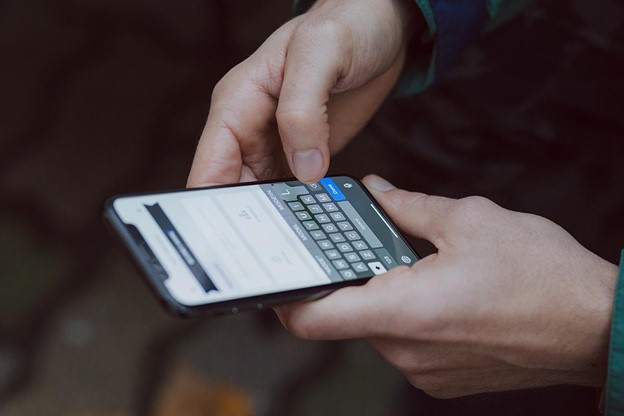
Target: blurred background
{"x": 104, "y": 97}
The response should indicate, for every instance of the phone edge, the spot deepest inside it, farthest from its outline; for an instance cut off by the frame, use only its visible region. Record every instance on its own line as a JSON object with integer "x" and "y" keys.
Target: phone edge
{"x": 229, "y": 306}
{"x": 113, "y": 221}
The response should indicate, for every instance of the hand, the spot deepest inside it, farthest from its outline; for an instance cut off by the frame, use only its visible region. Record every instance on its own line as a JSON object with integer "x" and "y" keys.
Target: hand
{"x": 314, "y": 83}
{"x": 509, "y": 301}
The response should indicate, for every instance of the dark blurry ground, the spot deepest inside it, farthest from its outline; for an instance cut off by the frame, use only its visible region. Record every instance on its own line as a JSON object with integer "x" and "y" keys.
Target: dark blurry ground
{"x": 102, "y": 97}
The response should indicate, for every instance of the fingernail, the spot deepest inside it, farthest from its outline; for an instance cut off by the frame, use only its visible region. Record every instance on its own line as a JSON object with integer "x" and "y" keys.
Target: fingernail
{"x": 379, "y": 184}
{"x": 308, "y": 164}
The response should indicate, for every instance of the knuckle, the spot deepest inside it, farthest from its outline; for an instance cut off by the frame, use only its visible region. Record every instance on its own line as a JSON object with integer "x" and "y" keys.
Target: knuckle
{"x": 299, "y": 327}
{"x": 400, "y": 356}
{"x": 476, "y": 204}
{"x": 439, "y": 393}
{"x": 294, "y": 119}
{"x": 403, "y": 361}
{"x": 300, "y": 129}
{"x": 321, "y": 30}
{"x": 401, "y": 199}
{"x": 301, "y": 332}
{"x": 472, "y": 209}
{"x": 220, "y": 87}
{"x": 433, "y": 385}
{"x": 230, "y": 78}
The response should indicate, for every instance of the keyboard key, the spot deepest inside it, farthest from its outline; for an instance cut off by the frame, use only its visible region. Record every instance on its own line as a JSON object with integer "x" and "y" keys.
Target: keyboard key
{"x": 333, "y": 189}
{"x": 314, "y": 186}
{"x": 330, "y": 207}
{"x": 307, "y": 199}
{"x": 340, "y": 264}
{"x": 317, "y": 235}
{"x": 315, "y": 209}
{"x": 345, "y": 226}
{"x": 345, "y": 247}
{"x": 352, "y": 235}
{"x": 359, "y": 245}
{"x": 310, "y": 225}
{"x": 360, "y": 225}
{"x": 337, "y": 216}
{"x": 367, "y": 255}
{"x": 352, "y": 257}
{"x": 330, "y": 228}
{"x": 332, "y": 254}
{"x": 337, "y": 238}
{"x": 359, "y": 267}
{"x": 322, "y": 218}
{"x": 325, "y": 244}
{"x": 348, "y": 274}
{"x": 323, "y": 197}
{"x": 377, "y": 267}
{"x": 295, "y": 206}
{"x": 289, "y": 193}
{"x": 303, "y": 216}
{"x": 386, "y": 258}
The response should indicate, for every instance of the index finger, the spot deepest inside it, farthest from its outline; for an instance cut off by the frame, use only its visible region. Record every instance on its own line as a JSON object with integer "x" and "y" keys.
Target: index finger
{"x": 218, "y": 158}
{"x": 241, "y": 113}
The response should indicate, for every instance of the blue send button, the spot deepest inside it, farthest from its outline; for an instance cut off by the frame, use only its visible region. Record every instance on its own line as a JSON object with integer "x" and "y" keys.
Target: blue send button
{"x": 333, "y": 189}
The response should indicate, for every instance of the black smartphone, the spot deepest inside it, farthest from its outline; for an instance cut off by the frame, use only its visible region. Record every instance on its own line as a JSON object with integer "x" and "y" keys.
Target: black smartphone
{"x": 252, "y": 245}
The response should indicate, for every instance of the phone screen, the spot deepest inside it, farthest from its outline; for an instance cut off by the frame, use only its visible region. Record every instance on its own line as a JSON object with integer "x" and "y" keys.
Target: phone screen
{"x": 241, "y": 241}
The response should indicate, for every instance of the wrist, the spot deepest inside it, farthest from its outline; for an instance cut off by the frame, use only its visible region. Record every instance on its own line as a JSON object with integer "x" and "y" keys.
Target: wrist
{"x": 597, "y": 313}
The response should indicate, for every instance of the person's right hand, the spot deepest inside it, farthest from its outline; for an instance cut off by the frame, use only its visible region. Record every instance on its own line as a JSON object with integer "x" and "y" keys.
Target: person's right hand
{"x": 509, "y": 301}
{"x": 314, "y": 84}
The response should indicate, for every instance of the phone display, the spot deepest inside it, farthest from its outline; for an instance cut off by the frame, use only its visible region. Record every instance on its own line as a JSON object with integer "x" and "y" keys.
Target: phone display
{"x": 239, "y": 244}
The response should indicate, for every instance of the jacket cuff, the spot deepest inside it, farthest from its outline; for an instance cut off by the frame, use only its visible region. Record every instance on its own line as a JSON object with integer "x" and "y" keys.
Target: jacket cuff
{"x": 419, "y": 71}
{"x": 614, "y": 391}
{"x": 452, "y": 26}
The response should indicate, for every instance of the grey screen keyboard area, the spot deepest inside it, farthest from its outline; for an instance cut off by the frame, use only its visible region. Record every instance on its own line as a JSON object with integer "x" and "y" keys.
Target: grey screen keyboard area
{"x": 332, "y": 229}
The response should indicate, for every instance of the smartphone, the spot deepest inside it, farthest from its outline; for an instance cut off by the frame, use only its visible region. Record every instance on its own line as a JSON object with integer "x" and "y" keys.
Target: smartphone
{"x": 229, "y": 248}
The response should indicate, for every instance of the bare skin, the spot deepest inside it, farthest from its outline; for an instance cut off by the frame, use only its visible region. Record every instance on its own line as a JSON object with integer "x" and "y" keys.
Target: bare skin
{"x": 509, "y": 301}
{"x": 303, "y": 95}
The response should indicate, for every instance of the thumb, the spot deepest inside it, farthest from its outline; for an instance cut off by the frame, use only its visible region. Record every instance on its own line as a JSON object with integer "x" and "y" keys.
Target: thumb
{"x": 417, "y": 214}
{"x": 313, "y": 65}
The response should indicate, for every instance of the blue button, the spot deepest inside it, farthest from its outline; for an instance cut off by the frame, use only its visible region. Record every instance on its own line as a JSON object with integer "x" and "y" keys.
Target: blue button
{"x": 333, "y": 189}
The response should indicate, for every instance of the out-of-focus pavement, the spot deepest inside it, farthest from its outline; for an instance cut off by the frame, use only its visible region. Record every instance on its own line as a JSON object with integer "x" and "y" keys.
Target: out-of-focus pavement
{"x": 104, "y": 97}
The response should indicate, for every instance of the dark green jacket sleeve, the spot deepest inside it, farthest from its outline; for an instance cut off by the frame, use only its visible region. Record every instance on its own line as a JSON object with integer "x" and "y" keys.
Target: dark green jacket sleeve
{"x": 614, "y": 390}
{"x": 451, "y": 27}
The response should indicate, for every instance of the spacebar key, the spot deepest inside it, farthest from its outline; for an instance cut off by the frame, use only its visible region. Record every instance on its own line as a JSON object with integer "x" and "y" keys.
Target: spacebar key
{"x": 360, "y": 225}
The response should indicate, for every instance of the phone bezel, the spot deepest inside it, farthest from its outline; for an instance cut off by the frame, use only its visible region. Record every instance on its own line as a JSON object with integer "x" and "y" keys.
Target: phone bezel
{"x": 259, "y": 302}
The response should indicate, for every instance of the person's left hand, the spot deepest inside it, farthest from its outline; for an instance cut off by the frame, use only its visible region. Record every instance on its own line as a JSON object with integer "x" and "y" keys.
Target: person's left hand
{"x": 509, "y": 301}
{"x": 305, "y": 93}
